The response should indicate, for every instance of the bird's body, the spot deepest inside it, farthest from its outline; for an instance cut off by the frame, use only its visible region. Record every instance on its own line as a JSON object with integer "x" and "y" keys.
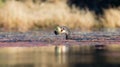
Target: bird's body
{"x": 63, "y": 30}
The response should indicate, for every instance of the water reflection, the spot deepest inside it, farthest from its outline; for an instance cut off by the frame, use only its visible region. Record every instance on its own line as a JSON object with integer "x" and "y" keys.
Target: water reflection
{"x": 46, "y": 56}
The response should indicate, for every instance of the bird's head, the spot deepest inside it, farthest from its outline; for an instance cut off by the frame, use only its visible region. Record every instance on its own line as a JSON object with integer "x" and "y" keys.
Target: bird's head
{"x": 61, "y": 30}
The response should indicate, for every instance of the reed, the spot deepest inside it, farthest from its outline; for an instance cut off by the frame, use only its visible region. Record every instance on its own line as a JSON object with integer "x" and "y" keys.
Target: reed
{"x": 111, "y": 18}
{"x": 19, "y": 16}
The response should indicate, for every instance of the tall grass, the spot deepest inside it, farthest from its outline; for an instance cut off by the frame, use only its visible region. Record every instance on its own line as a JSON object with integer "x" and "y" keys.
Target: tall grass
{"x": 112, "y": 18}
{"x": 22, "y": 17}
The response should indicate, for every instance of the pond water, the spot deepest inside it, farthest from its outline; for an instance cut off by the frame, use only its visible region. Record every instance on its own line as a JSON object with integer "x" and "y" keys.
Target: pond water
{"x": 49, "y": 56}
{"x": 35, "y": 49}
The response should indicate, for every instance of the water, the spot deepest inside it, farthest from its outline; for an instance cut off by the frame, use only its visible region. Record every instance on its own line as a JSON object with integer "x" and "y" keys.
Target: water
{"x": 48, "y": 56}
{"x": 35, "y": 49}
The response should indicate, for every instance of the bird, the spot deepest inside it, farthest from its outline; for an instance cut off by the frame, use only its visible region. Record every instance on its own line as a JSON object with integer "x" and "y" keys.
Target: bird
{"x": 63, "y": 30}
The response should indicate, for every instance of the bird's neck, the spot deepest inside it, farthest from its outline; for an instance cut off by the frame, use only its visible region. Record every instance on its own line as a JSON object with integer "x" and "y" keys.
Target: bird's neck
{"x": 67, "y": 36}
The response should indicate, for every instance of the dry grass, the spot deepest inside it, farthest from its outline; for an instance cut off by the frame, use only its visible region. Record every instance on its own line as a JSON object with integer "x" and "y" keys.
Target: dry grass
{"x": 23, "y": 17}
{"x": 15, "y": 15}
{"x": 112, "y": 18}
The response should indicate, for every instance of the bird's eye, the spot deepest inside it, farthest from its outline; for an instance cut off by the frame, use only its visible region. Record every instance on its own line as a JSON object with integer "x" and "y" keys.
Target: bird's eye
{"x": 63, "y": 29}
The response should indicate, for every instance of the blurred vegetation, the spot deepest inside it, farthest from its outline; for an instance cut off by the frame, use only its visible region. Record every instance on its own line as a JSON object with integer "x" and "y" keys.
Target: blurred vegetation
{"x": 95, "y": 5}
{"x": 2, "y": 2}
{"x": 24, "y": 15}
